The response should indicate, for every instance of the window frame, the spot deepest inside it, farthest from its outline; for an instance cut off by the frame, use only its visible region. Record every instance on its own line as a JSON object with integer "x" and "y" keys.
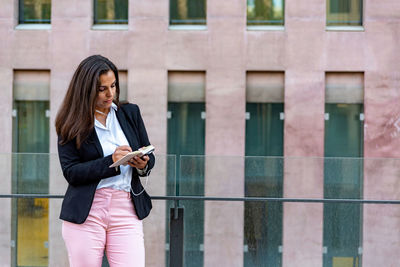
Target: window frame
{"x": 264, "y": 23}
{"x": 185, "y": 24}
{"x": 104, "y": 23}
{"x": 23, "y": 21}
{"x": 338, "y": 26}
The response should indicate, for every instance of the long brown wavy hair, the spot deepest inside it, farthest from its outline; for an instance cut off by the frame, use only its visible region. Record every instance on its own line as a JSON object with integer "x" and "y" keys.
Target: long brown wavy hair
{"x": 75, "y": 118}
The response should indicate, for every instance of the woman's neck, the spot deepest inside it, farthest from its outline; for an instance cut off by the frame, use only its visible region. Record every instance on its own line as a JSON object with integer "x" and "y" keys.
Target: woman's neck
{"x": 101, "y": 115}
{"x": 102, "y": 111}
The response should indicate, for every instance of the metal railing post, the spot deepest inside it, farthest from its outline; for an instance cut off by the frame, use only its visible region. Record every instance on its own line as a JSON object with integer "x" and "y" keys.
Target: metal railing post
{"x": 176, "y": 256}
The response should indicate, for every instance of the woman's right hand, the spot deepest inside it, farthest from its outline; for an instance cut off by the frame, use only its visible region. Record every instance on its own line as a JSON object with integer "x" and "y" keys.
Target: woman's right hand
{"x": 120, "y": 152}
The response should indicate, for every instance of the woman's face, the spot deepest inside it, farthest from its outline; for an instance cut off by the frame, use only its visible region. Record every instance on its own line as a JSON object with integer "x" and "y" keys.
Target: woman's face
{"x": 106, "y": 91}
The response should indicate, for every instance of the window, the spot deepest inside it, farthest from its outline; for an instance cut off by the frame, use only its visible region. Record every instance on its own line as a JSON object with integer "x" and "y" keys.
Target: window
{"x": 344, "y": 13}
{"x": 30, "y": 167}
{"x": 34, "y": 11}
{"x": 265, "y": 12}
{"x": 263, "y": 168}
{"x": 186, "y": 136}
{"x": 187, "y": 12}
{"x": 343, "y": 169}
{"x": 110, "y": 11}
{"x": 123, "y": 85}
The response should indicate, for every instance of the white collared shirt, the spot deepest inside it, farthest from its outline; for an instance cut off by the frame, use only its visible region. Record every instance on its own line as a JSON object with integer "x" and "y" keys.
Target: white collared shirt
{"x": 111, "y": 136}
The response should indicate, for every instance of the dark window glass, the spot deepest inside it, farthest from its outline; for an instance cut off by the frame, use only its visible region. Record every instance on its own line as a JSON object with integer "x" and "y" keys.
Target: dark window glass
{"x": 186, "y": 136}
{"x": 263, "y": 178}
{"x": 344, "y": 12}
{"x": 111, "y": 12}
{"x": 340, "y": 6}
{"x": 34, "y": 11}
{"x": 343, "y": 180}
{"x": 187, "y": 12}
{"x": 265, "y": 12}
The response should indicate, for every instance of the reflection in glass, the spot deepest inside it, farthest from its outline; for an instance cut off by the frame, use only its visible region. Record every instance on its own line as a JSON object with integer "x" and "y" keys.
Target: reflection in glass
{"x": 263, "y": 178}
{"x": 34, "y": 11}
{"x": 343, "y": 178}
{"x": 110, "y": 11}
{"x": 187, "y": 12}
{"x": 265, "y": 12}
{"x": 344, "y": 12}
{"x": 186, "y": 136}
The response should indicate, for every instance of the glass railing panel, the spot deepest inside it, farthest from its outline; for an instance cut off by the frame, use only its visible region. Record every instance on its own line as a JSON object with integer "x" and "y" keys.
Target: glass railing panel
{"x": 263, "y": 220}
{"x": 338, "y": 233}
{"x": 169, "y": 161}
{"x": 156, "y": 233}
{"x": 342, "y": 225}
{"x": 343, "y": 178}
{"x": 40, "y": 173}
{"x": 191, "y": 176}
{"x": 160, "y": 182}
{"x": 162, "y": 179}
{"x": 190, "y": 182}
{"x": 380, "y": 221}
{"x": 5, "y": 173}
{"x": 381, "y": 178}
{"x": 30, "y": 173}
{"x": 193, "y": 232}
{"x": 303, "y": 177}
{"x": 262, "y": 234}
{"x": 57, "y": 251}
{"x": 30, "y": 231}
{"x": 30, "y": 216}
{"x": 33, "y": 219}
{"x": 223, "y": 228}
{"x": 224, "y": 176}
{"x": 57, "y": 183}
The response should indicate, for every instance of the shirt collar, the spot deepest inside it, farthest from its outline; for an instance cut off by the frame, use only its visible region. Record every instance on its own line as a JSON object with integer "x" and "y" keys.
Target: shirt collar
{"x": 109, "y": 117}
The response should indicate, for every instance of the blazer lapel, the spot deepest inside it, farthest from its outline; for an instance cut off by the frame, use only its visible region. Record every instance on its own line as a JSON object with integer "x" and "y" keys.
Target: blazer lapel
{"x": 93, "y": 138}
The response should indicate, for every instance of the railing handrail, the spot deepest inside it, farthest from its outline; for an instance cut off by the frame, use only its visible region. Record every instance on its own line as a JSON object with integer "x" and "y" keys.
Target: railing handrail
{"x": 231, "y": 156}
{"x": 243, "y": 199}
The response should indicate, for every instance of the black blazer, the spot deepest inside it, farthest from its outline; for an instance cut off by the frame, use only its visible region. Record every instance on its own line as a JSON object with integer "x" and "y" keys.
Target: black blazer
{"x": 83, "y": 168}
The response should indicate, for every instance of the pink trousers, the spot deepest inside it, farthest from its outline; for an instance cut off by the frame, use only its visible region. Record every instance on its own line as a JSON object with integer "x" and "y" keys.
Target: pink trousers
{"x": 112, "y": 225}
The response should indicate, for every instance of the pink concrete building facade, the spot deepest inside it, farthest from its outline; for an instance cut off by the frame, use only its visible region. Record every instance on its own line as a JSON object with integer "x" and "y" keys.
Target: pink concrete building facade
{"x": 225, "y": 50}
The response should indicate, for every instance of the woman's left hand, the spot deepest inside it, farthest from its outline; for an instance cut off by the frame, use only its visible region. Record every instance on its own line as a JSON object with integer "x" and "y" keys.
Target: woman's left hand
{"x": 139, "y": 162}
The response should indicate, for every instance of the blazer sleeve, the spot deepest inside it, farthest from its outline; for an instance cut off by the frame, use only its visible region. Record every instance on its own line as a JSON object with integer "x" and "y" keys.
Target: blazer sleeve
{"x": 144, "y": 139}
{"x": 78, "y": 172}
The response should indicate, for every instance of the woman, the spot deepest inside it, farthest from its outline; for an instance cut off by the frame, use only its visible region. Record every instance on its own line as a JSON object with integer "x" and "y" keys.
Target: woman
{"x": 103, "y": 207}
